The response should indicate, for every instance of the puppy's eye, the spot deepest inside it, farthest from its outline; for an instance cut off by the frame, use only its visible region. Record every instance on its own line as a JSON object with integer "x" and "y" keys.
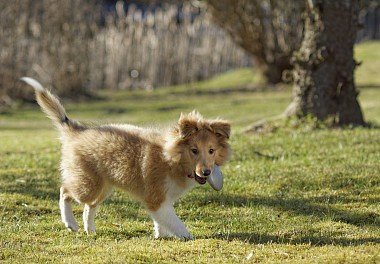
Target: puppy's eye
{"x": 195, "y": 151}
{"x": 211, "y": 151}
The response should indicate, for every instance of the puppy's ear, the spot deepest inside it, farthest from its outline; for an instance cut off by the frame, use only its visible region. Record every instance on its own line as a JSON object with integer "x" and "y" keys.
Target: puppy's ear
{"x": 221, "y": 128}
{"x": 187, "y": 126}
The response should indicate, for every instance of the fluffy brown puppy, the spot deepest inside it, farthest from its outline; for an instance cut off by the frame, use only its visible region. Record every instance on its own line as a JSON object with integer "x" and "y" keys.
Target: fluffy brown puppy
{"x": 156, "y": 167}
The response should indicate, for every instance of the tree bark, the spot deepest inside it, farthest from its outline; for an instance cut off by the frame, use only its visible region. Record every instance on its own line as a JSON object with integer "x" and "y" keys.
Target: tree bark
{"x": 273, "y": 71}
{"x": 324, "y": 66}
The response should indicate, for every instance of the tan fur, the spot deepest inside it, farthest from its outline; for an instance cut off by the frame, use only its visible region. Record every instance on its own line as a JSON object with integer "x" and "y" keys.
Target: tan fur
{"x": 138, "y": 160}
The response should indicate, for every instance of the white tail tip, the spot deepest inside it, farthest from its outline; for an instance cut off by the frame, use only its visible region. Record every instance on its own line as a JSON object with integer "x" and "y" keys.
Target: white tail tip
{"x": 32, "y": 82}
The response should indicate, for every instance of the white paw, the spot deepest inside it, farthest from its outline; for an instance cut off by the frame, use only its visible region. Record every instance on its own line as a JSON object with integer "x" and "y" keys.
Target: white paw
{"x": 166, "y": 221}
{"x": 162, "y": 234}
{"x": 89, "y": 227}
{"x": 184, "y": 236}
{"x": 72, "y": 226}
{"x": 157, "y": 236}
{"x": 160, "y": 231}
{"x": 90, "y": 231}
{"x": 187, "y": 237}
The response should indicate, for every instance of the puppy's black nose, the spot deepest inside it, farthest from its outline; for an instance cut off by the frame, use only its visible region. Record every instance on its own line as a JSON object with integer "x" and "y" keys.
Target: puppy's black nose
{"x": 206, "y": 172}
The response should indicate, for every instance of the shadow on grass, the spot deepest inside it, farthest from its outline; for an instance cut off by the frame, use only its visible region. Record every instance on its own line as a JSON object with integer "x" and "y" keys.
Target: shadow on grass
{"x": 362, "y": 86}
{"x": 303, "y": 206}
{"x": 227, "y": 91}
{"x": 48, "y": 189}
{"x": 320, "y": 207}
{"x": 25, "y": 127}
{"x": 258, "y": 238}
{"x": 39, "y": 190}
{"x": 121, "y": 234}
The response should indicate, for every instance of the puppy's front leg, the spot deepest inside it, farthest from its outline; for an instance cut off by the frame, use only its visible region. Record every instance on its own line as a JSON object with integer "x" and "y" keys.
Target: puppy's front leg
{"x": 166, "y": 221}
{"x": 160, "y": 231}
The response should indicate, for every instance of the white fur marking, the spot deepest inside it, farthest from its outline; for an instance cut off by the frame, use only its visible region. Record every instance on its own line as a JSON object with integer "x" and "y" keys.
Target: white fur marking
{"x": 89, "y": 218}
{"x": 160, "y": 230}
{"x": 32, "y": 82}
{"x": 174, "y": 192}
{"x": 67, "y": 215}
{"x": 165, "y": 217}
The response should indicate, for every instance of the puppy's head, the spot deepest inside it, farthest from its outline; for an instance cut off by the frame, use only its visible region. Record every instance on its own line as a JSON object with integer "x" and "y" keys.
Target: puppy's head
{"x": 197, "y": 144}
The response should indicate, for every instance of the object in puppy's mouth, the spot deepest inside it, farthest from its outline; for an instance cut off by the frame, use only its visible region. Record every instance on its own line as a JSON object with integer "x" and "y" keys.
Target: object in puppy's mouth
{"x": 216, "y": 178}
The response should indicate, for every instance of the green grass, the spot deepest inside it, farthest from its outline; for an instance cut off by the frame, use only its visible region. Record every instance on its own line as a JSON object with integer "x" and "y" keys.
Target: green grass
{"x": 291, "y": 196}
{"x": 241, "y": 78}
{"x": 368, "y": 73}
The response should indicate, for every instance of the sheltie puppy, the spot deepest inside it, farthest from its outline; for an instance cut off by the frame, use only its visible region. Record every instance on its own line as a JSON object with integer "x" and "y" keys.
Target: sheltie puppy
{"x": 155, "y": 167}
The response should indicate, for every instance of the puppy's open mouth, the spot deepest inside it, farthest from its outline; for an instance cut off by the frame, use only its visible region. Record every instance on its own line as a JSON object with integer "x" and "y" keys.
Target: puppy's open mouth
{"x": 200, "y": 180}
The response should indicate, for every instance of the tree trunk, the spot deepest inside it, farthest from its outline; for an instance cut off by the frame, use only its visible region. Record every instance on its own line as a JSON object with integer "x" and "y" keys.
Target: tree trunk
{"x": 273, "y": 71}
{"x": 324, "y": 66}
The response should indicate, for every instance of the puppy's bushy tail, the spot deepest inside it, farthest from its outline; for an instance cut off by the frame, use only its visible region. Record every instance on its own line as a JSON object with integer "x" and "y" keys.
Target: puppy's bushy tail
{"x": 51, "y": 105}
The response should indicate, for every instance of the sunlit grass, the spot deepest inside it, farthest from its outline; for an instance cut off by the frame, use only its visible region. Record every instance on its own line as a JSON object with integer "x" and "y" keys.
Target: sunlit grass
{"x": 368, "y": 54}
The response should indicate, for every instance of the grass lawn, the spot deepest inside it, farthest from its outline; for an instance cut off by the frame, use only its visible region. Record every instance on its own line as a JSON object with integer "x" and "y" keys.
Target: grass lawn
{"x": 290, "y": 196}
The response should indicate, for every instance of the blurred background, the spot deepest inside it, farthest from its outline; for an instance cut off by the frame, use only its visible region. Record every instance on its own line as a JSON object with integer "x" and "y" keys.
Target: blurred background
{"x": 78, "y": 47}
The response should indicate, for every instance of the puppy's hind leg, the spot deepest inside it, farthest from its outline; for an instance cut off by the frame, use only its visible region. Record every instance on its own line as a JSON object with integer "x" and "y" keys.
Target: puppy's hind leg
{"x": 89, "y": 210}
{"x": 89, "y": 218}
{"x": 67, "y": 215}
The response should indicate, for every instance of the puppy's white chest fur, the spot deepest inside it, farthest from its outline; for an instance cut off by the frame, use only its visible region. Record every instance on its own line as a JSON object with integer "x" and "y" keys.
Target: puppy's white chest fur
{"x": 174, "y": 191}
